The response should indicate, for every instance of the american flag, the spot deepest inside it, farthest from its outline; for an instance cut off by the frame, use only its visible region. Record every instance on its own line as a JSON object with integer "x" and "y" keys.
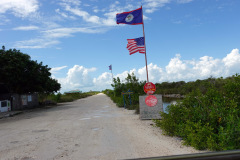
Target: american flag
{"x": 136, "y": 45}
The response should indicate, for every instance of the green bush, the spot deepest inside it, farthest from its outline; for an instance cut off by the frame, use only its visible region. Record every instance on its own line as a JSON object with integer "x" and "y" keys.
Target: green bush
{"x": 197, "y": 134}
{"x": 66, "y": 98}
{"x": 132, "y": 84}
{"x": 207, "y": 121}
{"x": 120, "y": 103}
{"x": 55, "y": 97}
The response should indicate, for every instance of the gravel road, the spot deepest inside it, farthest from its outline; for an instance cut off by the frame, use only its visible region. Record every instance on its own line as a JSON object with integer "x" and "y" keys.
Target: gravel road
{"x": 92, "y": 128}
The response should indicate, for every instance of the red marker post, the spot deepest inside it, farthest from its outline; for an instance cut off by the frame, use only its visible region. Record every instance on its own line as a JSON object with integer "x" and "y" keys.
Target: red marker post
{"x": 149, "y": 88}
{"x": 151, "y": 100}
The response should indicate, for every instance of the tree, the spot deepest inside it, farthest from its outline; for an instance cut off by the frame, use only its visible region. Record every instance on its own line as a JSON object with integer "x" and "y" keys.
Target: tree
{"x": 118, "y": 86}
{"x": 23, "y": 75}
{"x": 132, "y": 83}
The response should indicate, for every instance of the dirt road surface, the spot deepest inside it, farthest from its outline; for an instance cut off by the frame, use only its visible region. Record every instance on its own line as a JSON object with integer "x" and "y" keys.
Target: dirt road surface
{"x": 92, "y": 128}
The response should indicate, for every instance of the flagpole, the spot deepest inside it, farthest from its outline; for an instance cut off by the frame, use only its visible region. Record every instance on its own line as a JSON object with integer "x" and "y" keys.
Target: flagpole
{"x": 111, "y": 72}
{"x": 145, "y": 46}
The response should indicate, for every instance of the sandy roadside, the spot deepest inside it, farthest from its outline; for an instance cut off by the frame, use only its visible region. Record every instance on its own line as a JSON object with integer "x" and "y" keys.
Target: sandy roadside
{"x": 92, "y": 128}
{"x": 154, "y": 143}
{"x": 150, "y": 139}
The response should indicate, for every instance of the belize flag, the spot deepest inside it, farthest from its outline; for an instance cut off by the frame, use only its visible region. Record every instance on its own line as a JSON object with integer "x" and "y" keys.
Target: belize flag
{"x": 132, "y": 17}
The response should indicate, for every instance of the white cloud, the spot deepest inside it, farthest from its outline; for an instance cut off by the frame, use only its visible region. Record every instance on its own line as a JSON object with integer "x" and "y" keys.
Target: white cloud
{"x": 184, "y": 1}
{"x": 68, "y": 32}
{"x": 152, "y": 5}
{"x": 104, "y": 81}
{"x": 177, "y": 22}
{"x": 87, "y": 5}
{"x": 69, "y": 10}
{"x": 109, "y": 16}
{"x": 124, "y": 74}
{"x": 146, "y": 18}
{"x": 61, "y": 13}
{"x": 231, "y": 61}
{"x": 20, "y": 8}
{"x": 78, "y": 77}
{"x": 115, "y": 5}
{"x": 232, "y": 58}
{"x": 36, "y": 43}
{"x": 107, "y": 20}
{"x": 70, "y": 2}
{"x": 154, "y": 72}
{"x": 56, "y": 69}
{"x": 96, "y": 10}
{"x": 208, "y": 66}
{"x": 85, "y": 15}
{"x": 177, "y": 70}
{"x": 49, "y": 37}
{"x": 175, "y": 65}
{"x": 110, "y": 19}
{"x": 67, "y": 5}
{"x": 26, "y": 28}
{"x": 4, "y": 20}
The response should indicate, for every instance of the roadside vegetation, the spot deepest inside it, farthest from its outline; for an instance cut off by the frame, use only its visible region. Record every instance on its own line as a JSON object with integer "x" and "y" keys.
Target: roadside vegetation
{"x": 66, "y": 97}
{"x": 207, "y": 118}
{"x": 131, "y": 84}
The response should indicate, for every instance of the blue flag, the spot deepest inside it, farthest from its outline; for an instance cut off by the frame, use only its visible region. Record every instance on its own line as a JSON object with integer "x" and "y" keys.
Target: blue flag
{"x": 133, "y": 17}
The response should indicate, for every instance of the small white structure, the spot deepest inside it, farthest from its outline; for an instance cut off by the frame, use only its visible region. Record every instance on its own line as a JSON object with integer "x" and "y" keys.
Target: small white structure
{"x": 5, "y": 105}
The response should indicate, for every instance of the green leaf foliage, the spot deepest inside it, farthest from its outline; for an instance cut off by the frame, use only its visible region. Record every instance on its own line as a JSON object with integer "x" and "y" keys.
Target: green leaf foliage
{"x": 207, "y": 120}
{"x": 23, "y": 75}
{"x": 208, "y": 116}
{"x": 131, "y": 83}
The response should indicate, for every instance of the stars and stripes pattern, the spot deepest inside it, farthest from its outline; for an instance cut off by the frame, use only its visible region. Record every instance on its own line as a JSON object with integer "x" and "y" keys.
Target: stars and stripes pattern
{"x": 136, "y": 45}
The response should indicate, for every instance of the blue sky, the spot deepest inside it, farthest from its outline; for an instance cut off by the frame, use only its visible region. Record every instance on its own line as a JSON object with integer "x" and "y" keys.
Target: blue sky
{"x": 79, "y": 39}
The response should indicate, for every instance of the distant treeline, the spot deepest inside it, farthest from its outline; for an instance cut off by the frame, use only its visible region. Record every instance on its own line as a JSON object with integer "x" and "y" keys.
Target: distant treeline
{"x": 65, "y": 97}
{"x": 185, "y": 88}
{"x": 133, "y": 84}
